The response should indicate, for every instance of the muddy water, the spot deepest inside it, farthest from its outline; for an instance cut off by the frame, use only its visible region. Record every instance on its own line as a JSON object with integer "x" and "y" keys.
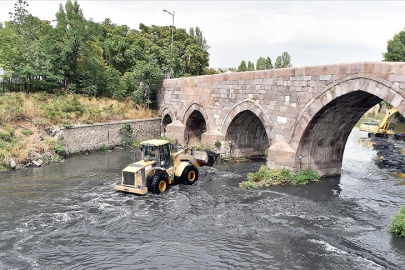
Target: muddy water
{"x": 69, "y": 216}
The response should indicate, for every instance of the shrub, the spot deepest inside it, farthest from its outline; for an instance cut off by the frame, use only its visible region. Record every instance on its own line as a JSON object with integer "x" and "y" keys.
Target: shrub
{"x": 59, "y": 150}
{"x": 104, "y": 148}
{"x": 126, "y": 130}
{"x": 269, "y": 177}
{"x": 304, "y": 177}
{"x": 5, "y": 135}
{"x": 27, "y": 132}
{"x": 249, "y": 185}
{"x": 217, "y": 144}
{"x": 398, "y": 223}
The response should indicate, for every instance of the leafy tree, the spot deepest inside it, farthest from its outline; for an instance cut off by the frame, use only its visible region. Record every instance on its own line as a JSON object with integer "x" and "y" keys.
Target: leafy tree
{"x": 268, "y": 64}
{"x": 98, "y": 59}
{"x": 278, "y": 63}
{"x": 198, "y": 34}
{"x": 23, "y": 51}
{"x": 261, "y": 63}
{"x": 144, "y": 80}
{"x": 283, "y": 61}
{"x": 118, "y": 46}
{"x": 187, "y": 57}
{"x": 79, "y": 55}
{"x": 250, "y": 66}
{"x": 242, "y": 66}
{"x": 209, "y": 71}
{"x": 396, "y": 48}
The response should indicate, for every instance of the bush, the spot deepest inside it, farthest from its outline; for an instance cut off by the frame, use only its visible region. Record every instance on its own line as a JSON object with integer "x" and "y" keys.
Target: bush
{"x": 269, "y": 177}
{"x": 398, "y": 223}
{"x": 27, "y": 132}
{"x": 59, "y": 150}
{"x": 126, "y": 130}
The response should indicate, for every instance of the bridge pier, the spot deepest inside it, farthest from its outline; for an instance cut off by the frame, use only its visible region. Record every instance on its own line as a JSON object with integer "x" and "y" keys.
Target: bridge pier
{"x": 281, "y": 155}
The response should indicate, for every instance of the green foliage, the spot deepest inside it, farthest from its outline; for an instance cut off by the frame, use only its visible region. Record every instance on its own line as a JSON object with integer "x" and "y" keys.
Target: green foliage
{"x": 202, "y": 147}
{"x": 104, "y": 148}
{"x": 81, "y": 56}
{"x": 198, "y": 35}
{"x": 398, "y": 223}
{"x": 242, "y": 67}
{"x": 249, "y": 185}
{"x": 385, "y": 104}
{"x": 320, "y": 142}
{"x": 283, "y": 61}
{"x": 396, "y": 48}
{"x": 5, "y": 135}
{"x": 217, "y": 144}
{"x": 332, "y": 143}
{"x": 250, "y": 66}
{"x": 304, "y": 177}
{"x": 59, "y": 150}
{"x": 126, "y": 130}
{"x": 27, "y": 132}
{"x": 268, "y": 177}
{"x": 268, "y": 64}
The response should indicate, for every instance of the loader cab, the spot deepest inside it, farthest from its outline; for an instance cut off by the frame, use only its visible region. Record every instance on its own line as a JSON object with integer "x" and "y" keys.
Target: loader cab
{"x": 158, "y": 151}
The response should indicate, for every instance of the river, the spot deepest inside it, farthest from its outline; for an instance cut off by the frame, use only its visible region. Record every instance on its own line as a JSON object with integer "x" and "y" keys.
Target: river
{"x": 68, "y": 216}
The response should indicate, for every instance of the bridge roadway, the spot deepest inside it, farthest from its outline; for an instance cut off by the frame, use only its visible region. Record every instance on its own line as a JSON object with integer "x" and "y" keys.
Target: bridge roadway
{"x": 302, "y": 115}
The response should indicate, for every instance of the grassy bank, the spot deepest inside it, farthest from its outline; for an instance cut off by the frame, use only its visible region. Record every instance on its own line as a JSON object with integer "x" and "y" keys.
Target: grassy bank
{"x": 27, "y": 122}
{"x": 270, "y": 177}
{"x": 398, "y": 223}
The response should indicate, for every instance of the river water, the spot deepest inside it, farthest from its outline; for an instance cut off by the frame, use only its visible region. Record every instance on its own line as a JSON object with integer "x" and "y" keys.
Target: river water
{"x": 68, "y": 216}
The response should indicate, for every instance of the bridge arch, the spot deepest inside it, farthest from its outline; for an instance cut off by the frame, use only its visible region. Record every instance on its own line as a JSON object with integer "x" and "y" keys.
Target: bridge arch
{"x": 167, "y": 117}
{"x": 247, "y": 105}
{"x": 324, "y": 124}
{"x": 195, "y": 121}
{"x": 248, "y": 129}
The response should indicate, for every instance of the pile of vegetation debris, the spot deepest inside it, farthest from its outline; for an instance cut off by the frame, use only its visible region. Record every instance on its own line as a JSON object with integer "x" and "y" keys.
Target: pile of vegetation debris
{"x": 390, "y": 154}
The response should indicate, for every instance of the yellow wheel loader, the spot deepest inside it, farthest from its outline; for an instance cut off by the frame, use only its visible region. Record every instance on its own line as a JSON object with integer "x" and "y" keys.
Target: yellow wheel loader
{"x": 387, "y": 126}
{"x": 159, "y": 168}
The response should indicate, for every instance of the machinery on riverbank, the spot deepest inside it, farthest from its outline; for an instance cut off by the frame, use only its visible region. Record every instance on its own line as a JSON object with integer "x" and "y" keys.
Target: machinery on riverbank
{"x": 159, "y": 168}
{"x": 387, "y": 126}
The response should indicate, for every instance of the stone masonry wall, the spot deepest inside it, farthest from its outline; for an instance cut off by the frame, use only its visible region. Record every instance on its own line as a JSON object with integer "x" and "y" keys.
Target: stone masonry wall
{"x": 90, "y": 137}
{"x": 285, "y": 101}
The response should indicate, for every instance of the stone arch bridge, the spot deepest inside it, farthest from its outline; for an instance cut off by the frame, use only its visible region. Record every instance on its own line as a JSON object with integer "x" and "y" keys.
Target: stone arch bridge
{"x": 303, "y": 115}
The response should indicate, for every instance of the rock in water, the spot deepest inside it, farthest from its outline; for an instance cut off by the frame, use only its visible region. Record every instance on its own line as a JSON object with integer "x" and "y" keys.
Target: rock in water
{"x": 13, "y": 164}
{"x": 38, "y": 162}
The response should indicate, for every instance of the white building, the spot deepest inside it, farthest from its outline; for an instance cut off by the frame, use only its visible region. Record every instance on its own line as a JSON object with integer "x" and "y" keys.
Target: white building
{"x": 2, "y": 73}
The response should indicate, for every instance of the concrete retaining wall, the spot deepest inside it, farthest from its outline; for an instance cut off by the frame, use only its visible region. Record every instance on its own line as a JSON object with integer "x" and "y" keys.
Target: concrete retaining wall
{"x": 82, "y": 138}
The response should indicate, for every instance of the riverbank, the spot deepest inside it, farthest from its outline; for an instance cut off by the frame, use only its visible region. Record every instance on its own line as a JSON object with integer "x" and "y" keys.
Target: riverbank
{"x": 31, "y": 123}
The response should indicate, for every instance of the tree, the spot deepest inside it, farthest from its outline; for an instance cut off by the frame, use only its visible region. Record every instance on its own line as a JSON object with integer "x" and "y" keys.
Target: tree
{"x": 396, "y": 48}
{"x": 261, "y": 63}
{"x": 250, "y": 66}
{"x": 117, "y": 46}
{"x": 147, "y": 75}
{"x": 23, "y": 51}
{"x": 268, "y": 64}
{"x": 79, "y": 55}
{"x": 187, "y": 58}
{"x": 283, "y": 61}
{"x": 198, "y": 34}
{"x": 242, "y": 67}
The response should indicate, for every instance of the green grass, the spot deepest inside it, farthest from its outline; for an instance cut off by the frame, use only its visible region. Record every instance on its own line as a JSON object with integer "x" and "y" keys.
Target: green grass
{"x": 27, "y": 132}
{"x": 398, "y": 223}
{"x": 270, "y": 177}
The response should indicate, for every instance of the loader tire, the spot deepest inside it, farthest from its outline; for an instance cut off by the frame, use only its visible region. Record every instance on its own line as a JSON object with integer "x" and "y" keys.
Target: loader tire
{"x": 158, "y": 184}
{"x": 189, "y": 175}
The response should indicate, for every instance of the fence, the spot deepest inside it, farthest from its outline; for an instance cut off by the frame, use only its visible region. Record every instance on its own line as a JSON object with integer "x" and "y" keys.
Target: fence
{"x": 24, "y": 87}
